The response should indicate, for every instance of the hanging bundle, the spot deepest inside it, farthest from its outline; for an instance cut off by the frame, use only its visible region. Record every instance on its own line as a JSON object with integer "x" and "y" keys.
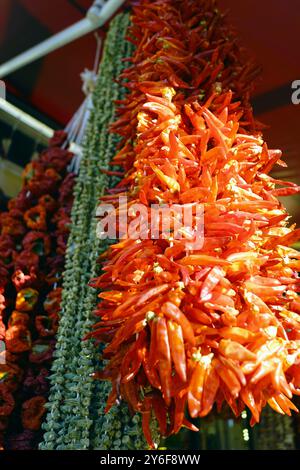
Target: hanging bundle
{"x": 33, "y": 239}
{"x": 187, "y": 328}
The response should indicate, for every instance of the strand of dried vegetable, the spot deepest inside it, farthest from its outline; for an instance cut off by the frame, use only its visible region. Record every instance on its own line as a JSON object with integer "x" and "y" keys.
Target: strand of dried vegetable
{"x": 219, "y": 323}
{"x": 34, "y": 233}
{"x": 69, "y": 422}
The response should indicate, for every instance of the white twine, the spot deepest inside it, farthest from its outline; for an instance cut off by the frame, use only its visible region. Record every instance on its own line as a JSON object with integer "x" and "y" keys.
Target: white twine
{"x": 77, "y": 125}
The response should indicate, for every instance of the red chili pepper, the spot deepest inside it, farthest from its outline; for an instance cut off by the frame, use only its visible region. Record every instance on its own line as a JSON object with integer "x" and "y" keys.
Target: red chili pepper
{"x": 180, "y": 402}
{"x": 229, "y": 378}
{"x": 146, "y": 421}
{"x": 129, "y": 328}
{"x": 211, "y": 386}
{"x": 153, "y": 359}
{"x": 160, "y": 411}
{"x": 174, "y": 313}
{"x": 177, "y": 348}
{"x": 194, "y": 397}
{"x": 204, "y": 260}
{"x": 133, "y": 359}
{"x": 234, "y": 350}
{"x": 212, "y": 279}
{"x": 130, "y": 390}
{"x": 164, "y": 358}
{"x": 151, "y": 372}
{"x": 32, "y": 412}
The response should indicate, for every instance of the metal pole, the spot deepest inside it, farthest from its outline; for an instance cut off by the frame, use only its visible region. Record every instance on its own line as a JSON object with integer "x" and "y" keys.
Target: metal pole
{"x": 28, "y": 124}
{"x": 96, "y": 17}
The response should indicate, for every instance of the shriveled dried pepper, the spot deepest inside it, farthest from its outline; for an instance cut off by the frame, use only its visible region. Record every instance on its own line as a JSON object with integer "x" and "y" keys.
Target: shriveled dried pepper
{"x": 32, "y": 413}
{"x": 18, "y": 318}
{"x": 46, "y": 325}
{"x": 35, "y": 218}
{"x": 18, "y": 339}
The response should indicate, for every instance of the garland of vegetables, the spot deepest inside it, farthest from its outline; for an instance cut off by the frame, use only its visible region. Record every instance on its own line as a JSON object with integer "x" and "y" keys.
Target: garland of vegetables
{"x": 33, "y": 239}
{"x": 187, "y": 329}
{"x": 76, "y": 418}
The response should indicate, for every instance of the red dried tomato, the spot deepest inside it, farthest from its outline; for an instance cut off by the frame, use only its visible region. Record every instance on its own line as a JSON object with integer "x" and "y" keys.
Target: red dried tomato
{"x": 18, "y": 318}
{"x": 10, "y": 375}
{"x": 53, "y": 301}
{"x": 27, "y": 262}
{"x": 18, "y": 339}
{"x": 11, "y": 226}
{"x": 37, "y": 242}
{"x": 56, "y": 158}
{"x": 66, "y": 191}
{"x": 48, "y": 202}
{"x": 46, "y": 325}
{"x": 35, "y": 218}
{"x": 33, "y": 411}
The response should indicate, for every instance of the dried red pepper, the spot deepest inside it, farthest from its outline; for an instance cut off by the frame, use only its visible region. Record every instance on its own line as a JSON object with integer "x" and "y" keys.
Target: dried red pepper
{"x": 37, "y": 242}
{"x": 18, "y": 318}
{"x": 18, "y": 339}
{"x": 46, "y": 325}
{"x": 221, "y": 321}
{"x": 35, "y": 218}
{"x": 33, "y": 411}
{"x": 36, "y": 223}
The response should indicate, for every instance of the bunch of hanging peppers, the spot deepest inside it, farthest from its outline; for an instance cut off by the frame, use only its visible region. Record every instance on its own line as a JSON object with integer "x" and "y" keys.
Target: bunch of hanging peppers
{"x": 186, "y": 329}
{"x": 33, "y": 239}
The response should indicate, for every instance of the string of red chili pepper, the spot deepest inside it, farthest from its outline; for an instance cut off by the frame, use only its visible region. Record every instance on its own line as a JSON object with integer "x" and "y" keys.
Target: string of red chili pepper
{"x": 33, "y": 239}
{"x": 193, "y": 328}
